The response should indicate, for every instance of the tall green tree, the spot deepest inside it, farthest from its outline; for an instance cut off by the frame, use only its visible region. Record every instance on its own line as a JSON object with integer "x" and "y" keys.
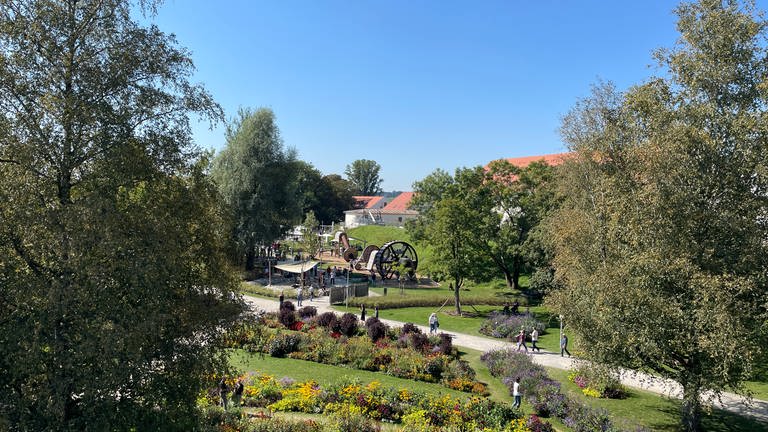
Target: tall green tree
{"x": 113, "y": 287}
{"x": 257, "y": 177}
{"x": 326, "y": 196}
{"x": 310, "y": 235}
{"x": 518, "y": 200}
{"x": 364, "y": 176}
{"x": 448, "y": 225}
{"x": 660, "y": 243}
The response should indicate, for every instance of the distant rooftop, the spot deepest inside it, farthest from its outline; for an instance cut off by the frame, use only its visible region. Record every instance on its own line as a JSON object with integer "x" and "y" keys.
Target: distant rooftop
{"x": 400, "y": 203}
{"x": 551, "y": 159}
{"x": 366, "y": 202}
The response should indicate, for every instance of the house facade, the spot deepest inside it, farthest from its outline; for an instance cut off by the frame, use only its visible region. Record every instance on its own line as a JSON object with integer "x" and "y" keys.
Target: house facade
{"x": 379, "y": 212}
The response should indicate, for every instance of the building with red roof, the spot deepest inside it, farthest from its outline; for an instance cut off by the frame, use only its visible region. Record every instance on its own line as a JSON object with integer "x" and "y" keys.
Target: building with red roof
{"x": 551, "y": 159}
{"x": 392, "y": 213}
{"x": 368, "y": 202}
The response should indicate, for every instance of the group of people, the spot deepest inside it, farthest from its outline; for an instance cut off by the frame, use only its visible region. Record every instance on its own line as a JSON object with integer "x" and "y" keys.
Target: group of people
{"x": 521, "y": 338}
{"x": 237, "y": 393}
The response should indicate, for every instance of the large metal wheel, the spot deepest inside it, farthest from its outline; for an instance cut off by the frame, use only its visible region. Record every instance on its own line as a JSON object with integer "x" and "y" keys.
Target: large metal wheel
{"x": 393, "y": 253}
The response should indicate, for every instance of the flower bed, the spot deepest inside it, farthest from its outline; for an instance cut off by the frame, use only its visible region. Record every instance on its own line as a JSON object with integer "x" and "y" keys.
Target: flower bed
{"x": 597, "y": 381}
{"x": 545, "y": 394}
{"x": 505, "y": 326}
{"x": 353, "y": 400}
{"x": 403, "y": 352}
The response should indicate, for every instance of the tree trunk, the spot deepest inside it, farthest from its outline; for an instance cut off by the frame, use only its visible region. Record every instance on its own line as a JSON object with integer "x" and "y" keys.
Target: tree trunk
{"x": 250, "y": 258}
{"x": 690, "y": 410}
{"x": 516, "y": 264}
{"x": 508, "y": 278}
{"x": 456, "y": 287}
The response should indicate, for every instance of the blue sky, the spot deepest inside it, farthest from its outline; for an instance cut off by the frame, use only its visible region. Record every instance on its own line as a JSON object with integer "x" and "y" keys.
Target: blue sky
{"x": 415, "y": 85}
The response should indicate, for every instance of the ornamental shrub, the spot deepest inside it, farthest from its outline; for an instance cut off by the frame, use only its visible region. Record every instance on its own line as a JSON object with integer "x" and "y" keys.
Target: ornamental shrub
{"x": 446, "y": 343}
{"x": 284, "y": 344}
{"x": 419, "y": 342}
{"x": 410, "y": 328}
{"x": 597, "y": 380}
{"x": 287, "y": 305}
{"x": 348, "y": 324}
{"x": 376, "y": 330}
{"x": 328, "y": 320}
{"x": 287, "y": 317}
{"x": 307, "y": 312}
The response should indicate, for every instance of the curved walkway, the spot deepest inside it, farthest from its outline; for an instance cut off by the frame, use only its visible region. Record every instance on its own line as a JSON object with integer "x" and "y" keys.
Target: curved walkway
{"x": 728, "y": 401}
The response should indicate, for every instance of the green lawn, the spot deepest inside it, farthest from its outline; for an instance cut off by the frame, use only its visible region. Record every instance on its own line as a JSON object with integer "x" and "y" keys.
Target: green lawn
{"x": 760, "y": 389}
{"x": 656, "y": 412}
{"x": 302, "y": 370}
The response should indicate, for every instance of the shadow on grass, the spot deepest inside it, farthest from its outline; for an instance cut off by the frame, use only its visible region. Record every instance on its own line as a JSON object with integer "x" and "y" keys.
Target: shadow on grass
{"x": 715, "y": 421}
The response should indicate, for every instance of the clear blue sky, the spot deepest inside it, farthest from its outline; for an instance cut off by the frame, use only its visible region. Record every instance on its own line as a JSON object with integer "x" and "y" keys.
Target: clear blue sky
{"x": 413, "y": 84}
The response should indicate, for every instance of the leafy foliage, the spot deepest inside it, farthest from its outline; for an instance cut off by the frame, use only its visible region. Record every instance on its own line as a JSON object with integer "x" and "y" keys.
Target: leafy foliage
{"x": 363, "y": 174}
{"x": 255, "y": 177}
{"x": 114, "y": 281}
{"x": 665, "y": 198}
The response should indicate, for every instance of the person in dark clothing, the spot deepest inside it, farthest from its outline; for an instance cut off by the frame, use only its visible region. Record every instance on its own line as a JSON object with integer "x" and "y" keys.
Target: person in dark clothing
{"x": 362, "y": 312}
{"x": 564, "y": 345}
{"x": 223, "y": 390}
{"x": 237, "y": 395}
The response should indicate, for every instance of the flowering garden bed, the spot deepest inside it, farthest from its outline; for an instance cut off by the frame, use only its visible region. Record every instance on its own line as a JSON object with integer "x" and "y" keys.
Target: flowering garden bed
{"x": 350, "y": 405}
{"x": 401, "y": 352}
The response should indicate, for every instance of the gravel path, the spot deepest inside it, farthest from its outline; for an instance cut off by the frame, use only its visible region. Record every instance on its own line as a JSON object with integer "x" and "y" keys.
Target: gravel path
{"x": 728, "y": 401}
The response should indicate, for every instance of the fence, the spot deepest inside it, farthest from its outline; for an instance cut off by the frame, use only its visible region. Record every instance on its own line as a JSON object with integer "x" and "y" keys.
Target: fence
{"x": 339, "y": 294}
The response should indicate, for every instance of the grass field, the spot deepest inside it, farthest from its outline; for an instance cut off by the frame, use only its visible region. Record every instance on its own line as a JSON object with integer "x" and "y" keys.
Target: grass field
{"x": 656, "y": 412}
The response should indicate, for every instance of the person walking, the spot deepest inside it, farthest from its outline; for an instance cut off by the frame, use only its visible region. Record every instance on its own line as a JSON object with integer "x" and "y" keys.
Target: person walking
{"x": 564, "y": 345}
{"x": 521, "y": 340}
{"x": 362, "y": 312}
{"x": 333, "y": 276}
{"x": 534, "y": 339}
{"x": 516, "y": 393}
{"x": 281, "y": 298}
{"x": 311, "y": 293}
{"x": 376, "y": 311}
{"x": 433, "y": 323}
{"x": 299, "y": 297}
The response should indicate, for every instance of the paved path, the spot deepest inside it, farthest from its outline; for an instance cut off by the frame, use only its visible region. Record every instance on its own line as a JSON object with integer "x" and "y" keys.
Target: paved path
{"x": 728, "y": 401}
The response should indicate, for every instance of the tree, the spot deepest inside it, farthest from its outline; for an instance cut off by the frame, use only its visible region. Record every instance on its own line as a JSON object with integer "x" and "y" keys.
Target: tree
{"x": 660, "y": 242}
{"x": 519, "y": 198}
{"x": 364, "y": 176}
{"x": 114, "y": 288}
{"x": 310, "y": 238}
{"x": 327, "y": 196}
{"x": 258, "y": 180}
{"x": 447, "y": 225}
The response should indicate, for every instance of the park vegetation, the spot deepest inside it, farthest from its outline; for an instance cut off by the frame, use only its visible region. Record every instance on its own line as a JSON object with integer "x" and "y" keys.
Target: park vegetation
{"x": 660, "y": 240}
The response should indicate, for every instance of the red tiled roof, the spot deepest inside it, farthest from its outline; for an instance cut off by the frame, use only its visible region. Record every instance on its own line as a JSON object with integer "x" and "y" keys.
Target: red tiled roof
{"x": 551, "y": 159}
{"x": 362, "y": 201}
{"x": 400, "y": 202}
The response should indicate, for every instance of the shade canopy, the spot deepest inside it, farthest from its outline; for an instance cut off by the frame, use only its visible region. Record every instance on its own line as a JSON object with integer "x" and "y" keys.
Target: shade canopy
{"x": 296, "y": 266}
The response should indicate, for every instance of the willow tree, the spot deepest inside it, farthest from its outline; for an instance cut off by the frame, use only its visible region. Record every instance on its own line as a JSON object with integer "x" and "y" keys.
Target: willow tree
{"x": 661, "y": 241}
{"x": 258, "y": 178}
{"x": 112, "y": 281}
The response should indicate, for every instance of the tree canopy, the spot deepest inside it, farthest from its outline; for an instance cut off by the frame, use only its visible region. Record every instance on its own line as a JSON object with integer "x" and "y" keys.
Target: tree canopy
{"x": 258, "y": 179}
{"x": 660, "y": 242}
{"x": 363, "y": 174}
{"x": 114, "y": 286}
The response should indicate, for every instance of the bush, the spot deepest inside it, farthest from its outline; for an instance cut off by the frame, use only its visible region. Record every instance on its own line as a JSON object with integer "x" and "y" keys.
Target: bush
{"x": 287, "y": 317}
{"x": 419, "y": 342}
{"x": 376, "y": 330}
{"x": 284, "y": 344}
{"x": 446, "y": 343}
{"x": 348, "y": 324}
{"x": 328, "y": 320}
{"x": 287, "y": 305}
{"x": 535, "y": 424}
{"x": 500, "y": 325}
{"x": 345, "y": 421}
{"x": 410, "y": 328}
{"x": 307, "y": 312}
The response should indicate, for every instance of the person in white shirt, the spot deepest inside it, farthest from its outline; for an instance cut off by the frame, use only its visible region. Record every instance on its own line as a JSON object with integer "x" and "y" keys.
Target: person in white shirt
{"x": 516, "y": 393}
